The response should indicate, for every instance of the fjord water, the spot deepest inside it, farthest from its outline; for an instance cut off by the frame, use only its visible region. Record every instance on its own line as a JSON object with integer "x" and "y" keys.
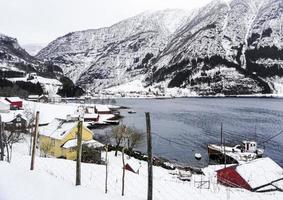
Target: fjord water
{"x": 184, "y": 126}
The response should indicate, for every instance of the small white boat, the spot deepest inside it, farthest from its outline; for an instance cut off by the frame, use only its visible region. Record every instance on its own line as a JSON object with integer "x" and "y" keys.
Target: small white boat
{"x": 131, "y": 112}
{"x": 245, "y": 152}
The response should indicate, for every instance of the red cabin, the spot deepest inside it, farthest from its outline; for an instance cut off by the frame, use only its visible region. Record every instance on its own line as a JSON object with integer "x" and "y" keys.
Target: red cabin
{"x": 15, "y": 102}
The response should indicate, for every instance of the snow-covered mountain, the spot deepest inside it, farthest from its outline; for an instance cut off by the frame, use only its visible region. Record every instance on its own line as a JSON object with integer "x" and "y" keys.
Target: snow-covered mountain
{"x": 230, "y": 47}
{"x": 33, "y": 49}
{"x": 15, "y": 60}
{"x": 112, "y": 55}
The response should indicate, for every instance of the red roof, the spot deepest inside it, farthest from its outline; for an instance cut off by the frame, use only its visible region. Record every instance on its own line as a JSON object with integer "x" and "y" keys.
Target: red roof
{"x": 230, "y": 177}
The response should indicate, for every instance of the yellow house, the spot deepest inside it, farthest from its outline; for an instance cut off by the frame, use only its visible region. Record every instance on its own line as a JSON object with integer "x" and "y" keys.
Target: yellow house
{"x": 58, "y": 139}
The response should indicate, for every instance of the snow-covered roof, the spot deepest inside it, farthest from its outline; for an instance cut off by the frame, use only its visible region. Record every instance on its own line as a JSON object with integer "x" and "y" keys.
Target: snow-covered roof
{"x": 102, "y": 108}
{"x": 54, "y": 96}
{"x": 33, "y": 96}
{"x": 58, "y": 128}
{"x": 91, "y": 143}
{"x": 260, "y": 172}
{"x": 8, "y": 117}
{"x": 4, "y": 101}
{"x": 14, "y": 99}
{"x": 43, "y": 95}
{"x": 134, "y": 164}
{"x": 90, "y": 115}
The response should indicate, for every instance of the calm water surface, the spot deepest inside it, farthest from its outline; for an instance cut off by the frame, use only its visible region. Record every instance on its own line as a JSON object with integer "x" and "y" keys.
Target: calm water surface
{"x": 184, "y": 126}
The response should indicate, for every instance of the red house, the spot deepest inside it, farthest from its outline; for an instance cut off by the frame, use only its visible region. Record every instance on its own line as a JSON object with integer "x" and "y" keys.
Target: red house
{"x": 260, "y": 175}
{"x": 15, "y": 102}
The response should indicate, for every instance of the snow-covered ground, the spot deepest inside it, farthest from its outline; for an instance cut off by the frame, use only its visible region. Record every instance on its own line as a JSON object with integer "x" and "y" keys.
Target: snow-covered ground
{"x": 50, "y": 85}
{"x": 55, "y": 179}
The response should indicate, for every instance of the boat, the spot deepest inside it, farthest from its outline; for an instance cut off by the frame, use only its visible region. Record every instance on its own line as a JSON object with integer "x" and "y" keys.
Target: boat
{"x": 112, "y": 122}
{"x": 131, "y": 112}
{"x": 242, "y": 153}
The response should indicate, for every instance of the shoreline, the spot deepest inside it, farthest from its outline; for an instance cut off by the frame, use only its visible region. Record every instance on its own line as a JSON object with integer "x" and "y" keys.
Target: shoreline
{"x": 271, "y": 96}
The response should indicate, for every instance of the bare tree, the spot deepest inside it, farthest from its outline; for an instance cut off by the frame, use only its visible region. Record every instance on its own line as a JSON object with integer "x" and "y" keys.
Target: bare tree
{"x": 118, "y": 134}
{"x": 9, "y": 138}
{"x": 30, "y": 116}
{"x": 135, "y": 137}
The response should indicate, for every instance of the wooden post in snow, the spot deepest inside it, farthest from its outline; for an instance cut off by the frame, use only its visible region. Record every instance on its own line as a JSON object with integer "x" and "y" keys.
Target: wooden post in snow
{"x": 79, "y": 152}
{"x": 149, "y": 155}
{"x": 224, "y": 152}
{"x": 106, "y": 168}
{"x": 34, "y": 140}
{"x": 1, "y": 140}
{"x": 124, "y": 168}
{"x": 221, "y": 134}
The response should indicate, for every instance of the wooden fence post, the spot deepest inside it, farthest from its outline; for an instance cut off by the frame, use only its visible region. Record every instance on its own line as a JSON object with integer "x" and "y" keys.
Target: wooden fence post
{"x": 123, "y": 177}
{"x": 149, "y": 154}
{"x": 34, "y": 140}
{"x": 106, "y": 168}
{"x": 79, "y": 152}
{"x": 1, "y": 140}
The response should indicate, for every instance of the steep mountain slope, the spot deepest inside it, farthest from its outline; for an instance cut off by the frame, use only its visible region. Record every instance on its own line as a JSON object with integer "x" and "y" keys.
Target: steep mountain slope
{"x": 227, "y": 47}
{"x": 112, "y": 55}
{"x": 221, "y": 50}
{"x": 33, "y": 49}
{"x": 15, "y": 61}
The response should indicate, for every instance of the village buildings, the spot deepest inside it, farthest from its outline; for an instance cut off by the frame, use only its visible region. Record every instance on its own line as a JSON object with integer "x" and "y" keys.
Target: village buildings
{"x": 59, "y": 138}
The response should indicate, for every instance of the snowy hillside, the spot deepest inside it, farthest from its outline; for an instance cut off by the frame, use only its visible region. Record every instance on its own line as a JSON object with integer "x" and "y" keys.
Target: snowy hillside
{"x": 15, "y": 59}
{"x": 55, "y": 178}
{"x": 49, "y": 85}
{"x": 33, "y": 49}
{"x": 112, "y": 55}
{"x": 227, "y": 47}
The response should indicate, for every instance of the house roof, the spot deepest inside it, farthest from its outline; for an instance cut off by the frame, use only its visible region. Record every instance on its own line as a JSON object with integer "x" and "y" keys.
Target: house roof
{"x": 102, "y": 108}
{"x": 90, "y": 115}
{"x": 58, "y": 128}
{"x": 10, "y": 117}
{"x": 91, "y": 143}
{"x": 33, "y": 96}
{"x": 13, "y": 99}
{"x": 4, "y": 101}
{"x": 260, "y": 172}
{"x": 54, "y": 96}
{"x": 43, "y": 95}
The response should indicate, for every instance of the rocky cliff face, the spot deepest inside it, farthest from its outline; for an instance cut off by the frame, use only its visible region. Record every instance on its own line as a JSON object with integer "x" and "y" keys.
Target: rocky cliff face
{"x": 15, "y": 61}
{"x": 227, "y": 47}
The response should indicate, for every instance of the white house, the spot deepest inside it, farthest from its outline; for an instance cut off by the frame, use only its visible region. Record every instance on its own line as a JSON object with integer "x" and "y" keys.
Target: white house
{"x": 55, "y": 98}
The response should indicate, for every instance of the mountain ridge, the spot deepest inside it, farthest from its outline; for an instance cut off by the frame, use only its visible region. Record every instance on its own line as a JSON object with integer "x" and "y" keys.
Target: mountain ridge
{"x": 226, "y": 47}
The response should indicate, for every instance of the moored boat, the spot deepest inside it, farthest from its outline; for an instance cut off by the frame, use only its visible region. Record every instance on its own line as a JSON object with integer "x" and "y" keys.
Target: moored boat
{"x": 245, "y": 152}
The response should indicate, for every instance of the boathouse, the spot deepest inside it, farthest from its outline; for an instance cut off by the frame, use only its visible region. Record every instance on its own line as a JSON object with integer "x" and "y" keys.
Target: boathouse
{"x": 15, "y": 102}
{"x": 260, "y": 175}
{"x": 102, "y": 109}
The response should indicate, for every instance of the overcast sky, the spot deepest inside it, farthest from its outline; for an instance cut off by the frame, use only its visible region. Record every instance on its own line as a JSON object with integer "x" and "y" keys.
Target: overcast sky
{"x": 41, "y": 21}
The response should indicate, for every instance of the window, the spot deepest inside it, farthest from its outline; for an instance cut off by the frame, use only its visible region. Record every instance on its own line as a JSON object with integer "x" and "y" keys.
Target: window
{"x": 18, "y": 125}
{"x": 18, "y": 119}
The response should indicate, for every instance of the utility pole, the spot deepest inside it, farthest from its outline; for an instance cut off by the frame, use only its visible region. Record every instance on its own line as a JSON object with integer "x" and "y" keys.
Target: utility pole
{"x": 1, "y": 140}
{"x": 79, "y": 152}
{"x": 149, "y": 155}
{"x": 34, "y": 140}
